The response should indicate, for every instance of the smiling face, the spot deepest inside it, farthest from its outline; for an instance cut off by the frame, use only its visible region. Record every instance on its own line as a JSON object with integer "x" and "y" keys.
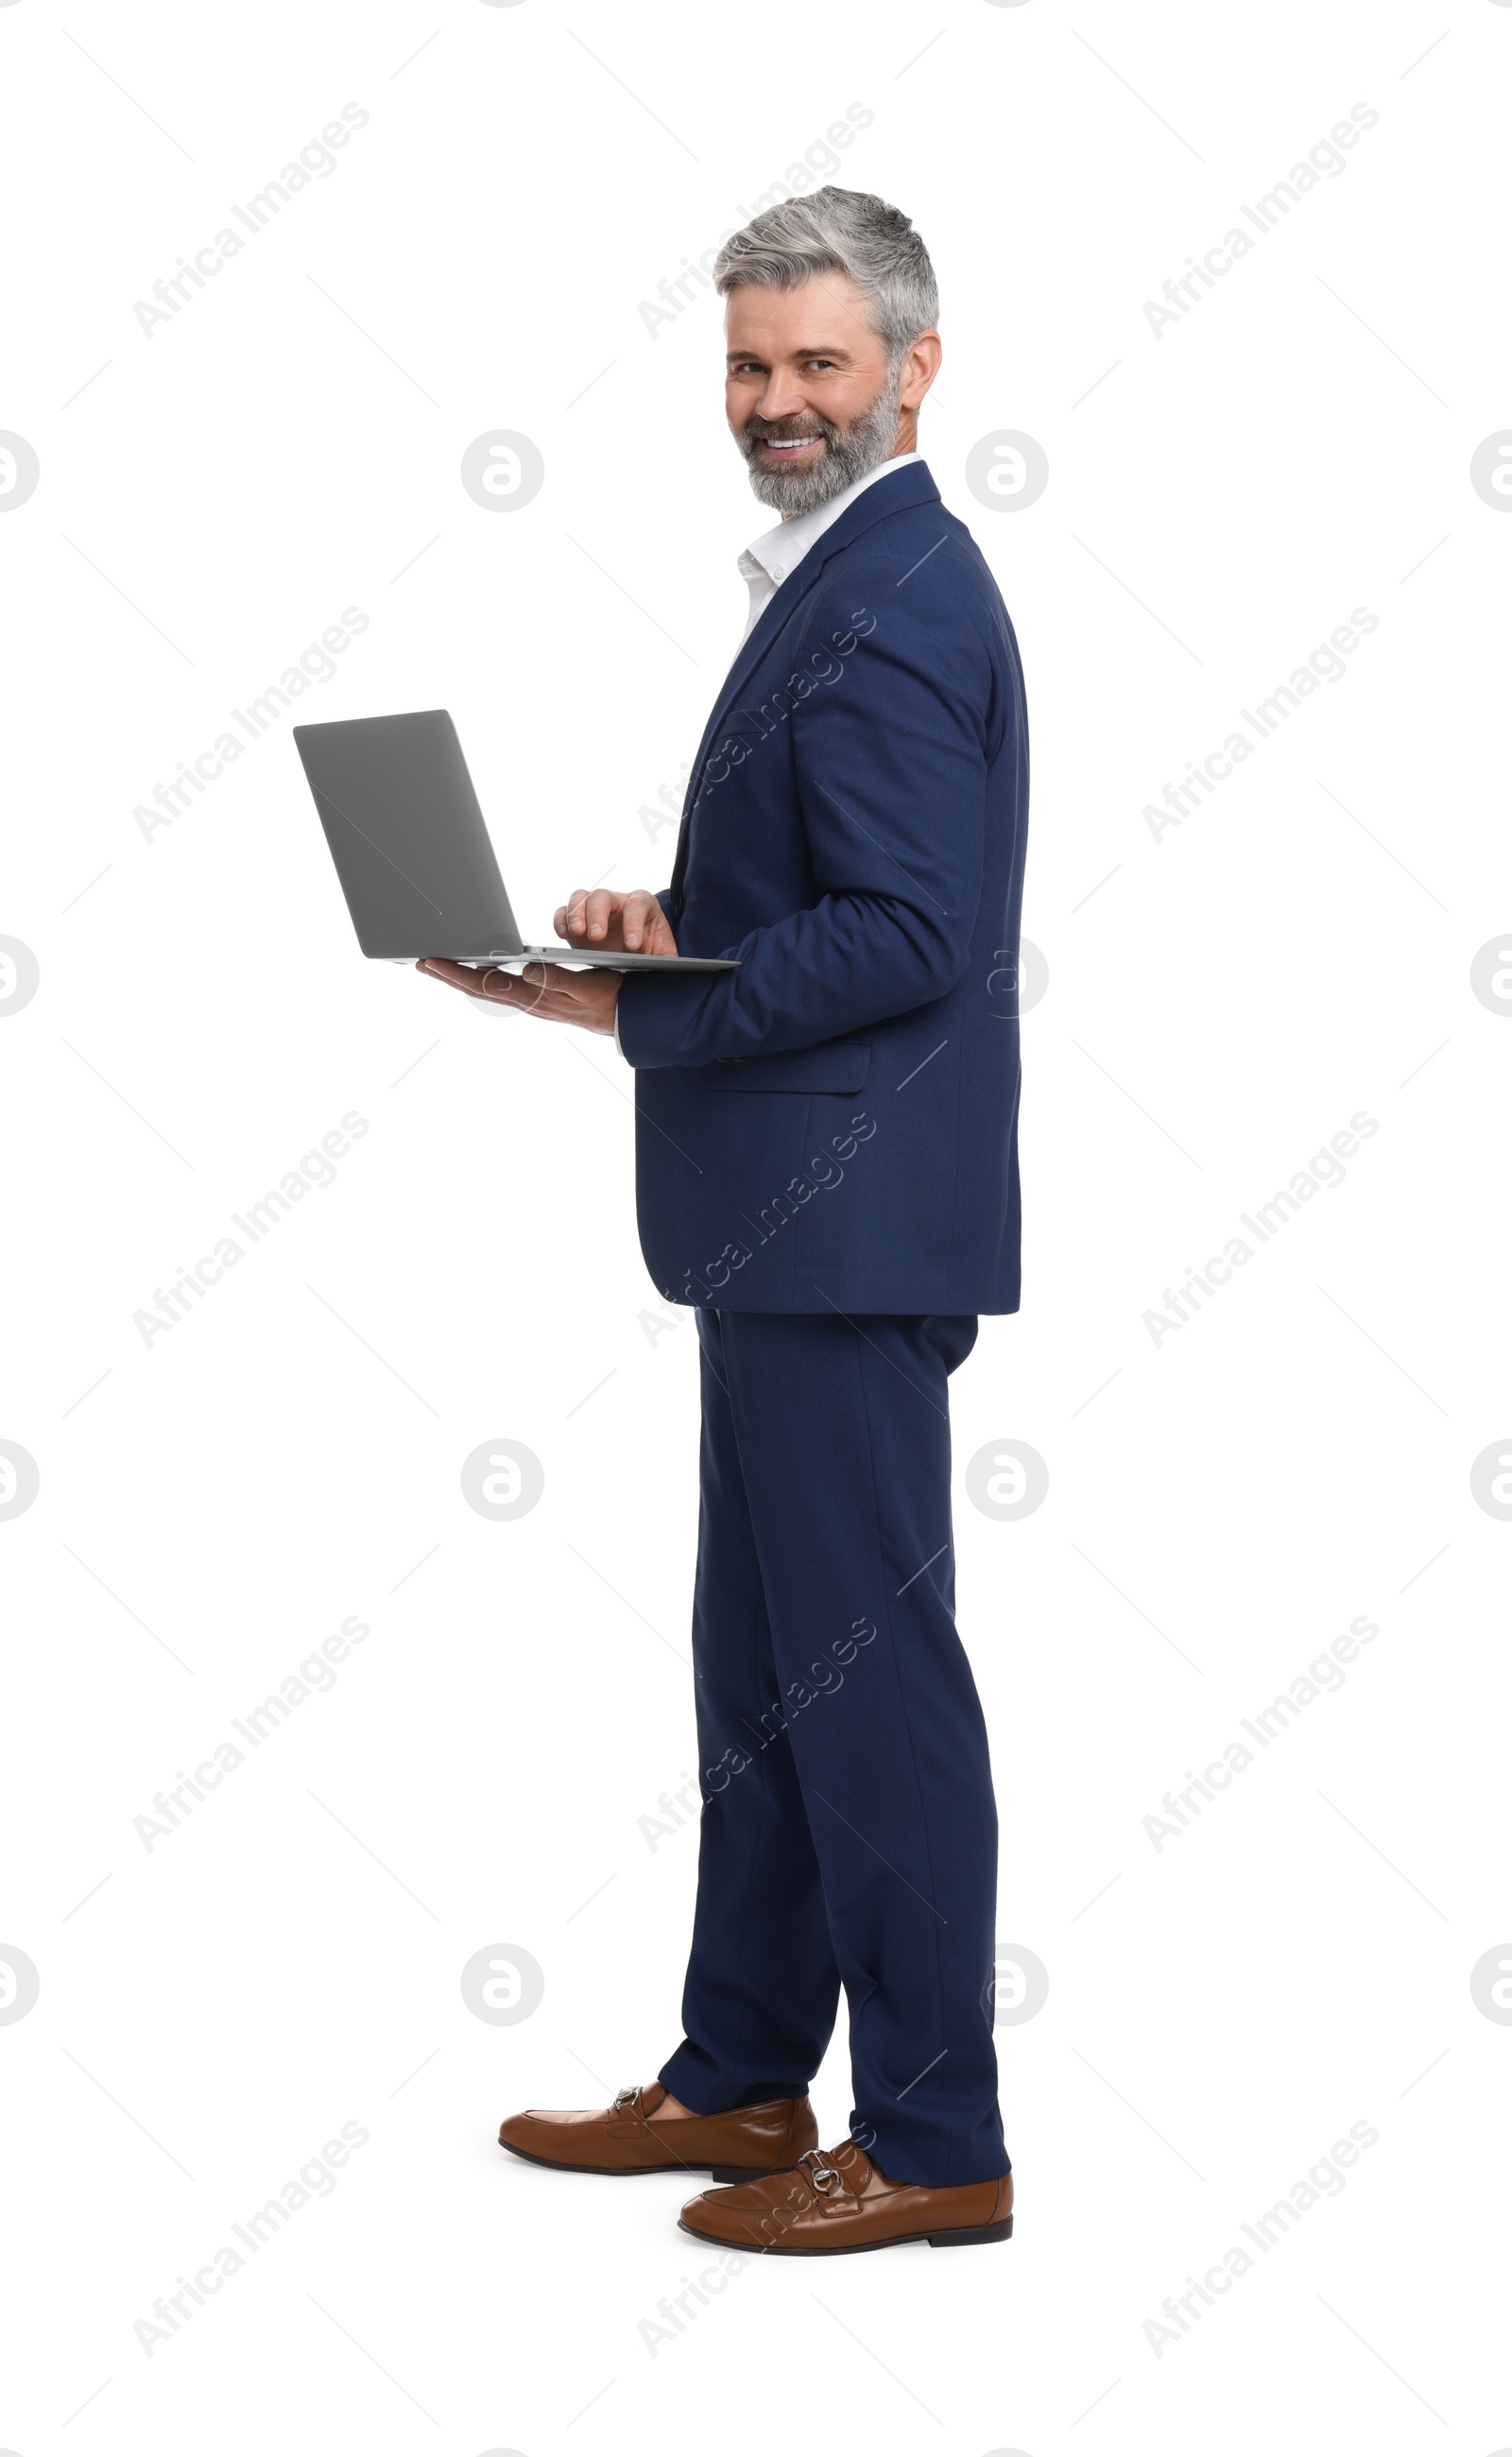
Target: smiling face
{"x": 809, "y": 395}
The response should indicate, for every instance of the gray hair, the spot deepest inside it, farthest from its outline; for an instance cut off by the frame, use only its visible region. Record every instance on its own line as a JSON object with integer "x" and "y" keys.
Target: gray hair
{"x": 840, "y": 230}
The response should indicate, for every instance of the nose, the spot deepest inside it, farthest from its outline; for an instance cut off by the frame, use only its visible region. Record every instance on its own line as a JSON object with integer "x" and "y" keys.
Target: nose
{"x": 783, "y": 396}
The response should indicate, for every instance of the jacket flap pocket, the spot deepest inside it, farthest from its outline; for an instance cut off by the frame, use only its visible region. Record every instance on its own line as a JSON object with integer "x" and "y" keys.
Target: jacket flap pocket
{"x": 834, "y": 1066}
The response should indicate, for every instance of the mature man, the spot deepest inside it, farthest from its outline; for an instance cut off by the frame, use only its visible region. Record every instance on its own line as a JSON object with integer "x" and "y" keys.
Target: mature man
{"x": 827, "y": 1170}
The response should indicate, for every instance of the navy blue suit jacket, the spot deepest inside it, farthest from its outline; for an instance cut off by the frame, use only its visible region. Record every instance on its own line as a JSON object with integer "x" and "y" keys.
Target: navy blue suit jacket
{"x": 834, "y": 1125}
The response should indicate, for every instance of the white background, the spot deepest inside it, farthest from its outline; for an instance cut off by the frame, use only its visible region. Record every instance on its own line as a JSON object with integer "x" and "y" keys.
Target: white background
{"x": 1221, "y": 1000}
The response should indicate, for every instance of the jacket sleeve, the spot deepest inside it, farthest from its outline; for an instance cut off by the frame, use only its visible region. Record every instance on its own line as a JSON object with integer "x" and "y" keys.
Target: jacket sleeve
{"x": 890, "y": 762}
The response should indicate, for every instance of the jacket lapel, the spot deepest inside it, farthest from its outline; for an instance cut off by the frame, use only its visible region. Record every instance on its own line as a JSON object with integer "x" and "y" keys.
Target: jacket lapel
{"x": 899, "y": 492}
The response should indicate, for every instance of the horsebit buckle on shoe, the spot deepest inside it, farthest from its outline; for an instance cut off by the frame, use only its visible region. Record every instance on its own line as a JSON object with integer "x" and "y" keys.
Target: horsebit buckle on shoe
{"x": 824, "y": 2178}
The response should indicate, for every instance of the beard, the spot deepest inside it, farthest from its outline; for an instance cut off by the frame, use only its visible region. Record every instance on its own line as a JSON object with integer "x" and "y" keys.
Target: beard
{"x": 850, "y": 452}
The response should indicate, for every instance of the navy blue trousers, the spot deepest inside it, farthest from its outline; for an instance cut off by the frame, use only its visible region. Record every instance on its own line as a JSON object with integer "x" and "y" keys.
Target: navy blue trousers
{"x": 848, "y": 1834}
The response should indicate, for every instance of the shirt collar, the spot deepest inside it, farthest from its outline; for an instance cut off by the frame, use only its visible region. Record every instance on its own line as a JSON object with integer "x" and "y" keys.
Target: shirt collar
{"x": 783, "y": 549}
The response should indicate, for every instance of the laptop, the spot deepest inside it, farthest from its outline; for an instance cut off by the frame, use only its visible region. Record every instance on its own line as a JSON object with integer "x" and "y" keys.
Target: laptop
{"x": 413, "y": 855}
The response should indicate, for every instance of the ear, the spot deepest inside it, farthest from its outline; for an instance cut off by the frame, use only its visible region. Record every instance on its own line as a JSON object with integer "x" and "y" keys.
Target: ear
{"x": 919, "y": 368}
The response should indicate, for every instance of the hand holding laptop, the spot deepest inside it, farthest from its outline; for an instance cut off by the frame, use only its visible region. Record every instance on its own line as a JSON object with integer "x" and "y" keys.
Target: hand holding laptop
{"x": 594, "y": 918}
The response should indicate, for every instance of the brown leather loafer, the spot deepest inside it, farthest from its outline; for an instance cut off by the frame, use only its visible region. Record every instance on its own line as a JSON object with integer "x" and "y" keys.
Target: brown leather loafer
{"x": 840, "y": 2202}
{"x": 626, "y": 2139}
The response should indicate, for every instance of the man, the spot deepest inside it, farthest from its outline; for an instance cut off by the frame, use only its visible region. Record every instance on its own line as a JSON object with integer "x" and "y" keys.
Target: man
{"x": 827, "y": 1170}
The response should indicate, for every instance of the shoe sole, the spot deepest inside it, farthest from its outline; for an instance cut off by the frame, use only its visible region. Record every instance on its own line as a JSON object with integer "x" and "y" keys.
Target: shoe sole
{"x": 674, "y": 2167}
{"x": 944, "y": 2239}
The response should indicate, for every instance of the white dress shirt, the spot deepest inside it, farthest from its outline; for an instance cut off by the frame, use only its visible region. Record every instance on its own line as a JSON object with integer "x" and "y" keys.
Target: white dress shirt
{"x": 767, "y": 561}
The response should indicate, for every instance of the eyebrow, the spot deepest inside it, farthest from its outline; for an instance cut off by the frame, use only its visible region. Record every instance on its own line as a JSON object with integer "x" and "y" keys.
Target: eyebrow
{"x": 806, "y": 350}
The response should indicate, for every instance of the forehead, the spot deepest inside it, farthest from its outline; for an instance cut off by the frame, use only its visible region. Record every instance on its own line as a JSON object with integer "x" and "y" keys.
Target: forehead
{"x": 829, "y": 315}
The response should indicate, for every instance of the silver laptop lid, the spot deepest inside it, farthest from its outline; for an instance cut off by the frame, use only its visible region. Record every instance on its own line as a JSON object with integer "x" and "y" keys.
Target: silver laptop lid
{"x": 408, "y": 837}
